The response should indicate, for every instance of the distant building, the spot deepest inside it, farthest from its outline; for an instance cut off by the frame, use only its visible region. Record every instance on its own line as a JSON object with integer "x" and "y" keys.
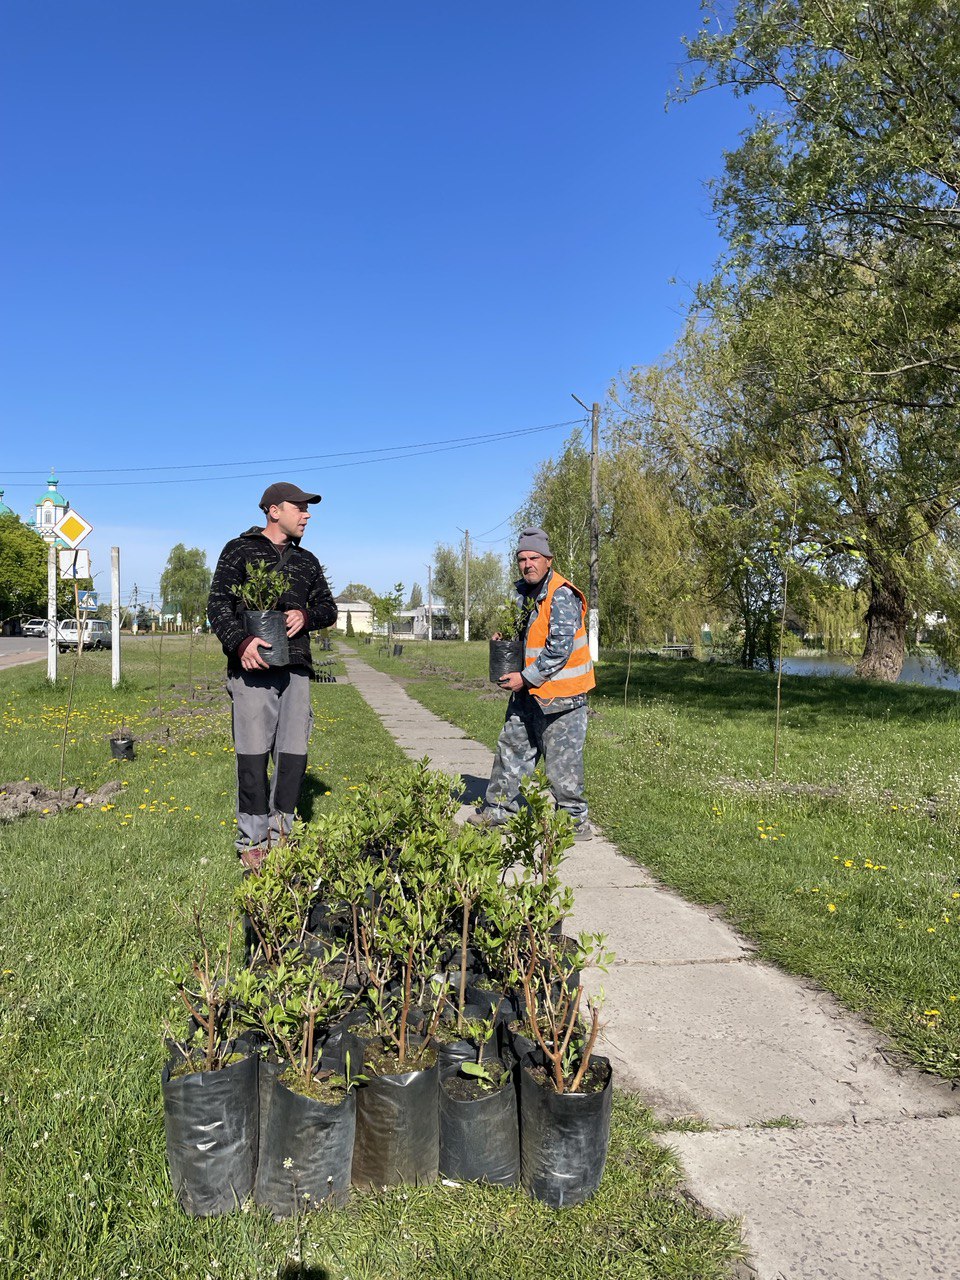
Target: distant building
{"x": 361, "y": 615}
{"x": 415, "y": 622}
{"x": 51, "y": 507}
{"x": 48, "y": 510}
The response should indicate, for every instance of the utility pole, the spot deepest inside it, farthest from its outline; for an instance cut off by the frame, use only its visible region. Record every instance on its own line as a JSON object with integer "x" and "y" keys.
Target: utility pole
{"x": 115, "y": 616}
{"x": 466, "y": 584}
{"x": 429, "y": 569}
{"x": 593, "y": 595}
{"x": 134, "y": 610}
{"x": 593, "y": 612}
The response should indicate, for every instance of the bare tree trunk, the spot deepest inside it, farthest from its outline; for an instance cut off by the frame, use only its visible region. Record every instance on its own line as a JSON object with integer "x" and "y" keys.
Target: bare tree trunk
{"x": 886, "y": 640}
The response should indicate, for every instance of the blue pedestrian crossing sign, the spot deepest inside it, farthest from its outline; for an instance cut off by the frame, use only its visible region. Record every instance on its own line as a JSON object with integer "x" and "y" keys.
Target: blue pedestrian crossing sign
{"x": 87, "y": 599}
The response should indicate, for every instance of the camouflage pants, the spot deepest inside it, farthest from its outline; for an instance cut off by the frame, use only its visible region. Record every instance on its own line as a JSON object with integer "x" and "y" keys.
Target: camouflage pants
{"x": 528, "y": 735}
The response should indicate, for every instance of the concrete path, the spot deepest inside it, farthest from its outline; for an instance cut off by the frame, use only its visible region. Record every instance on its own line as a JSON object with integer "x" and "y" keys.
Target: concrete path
{"x": 840, "y": 1165}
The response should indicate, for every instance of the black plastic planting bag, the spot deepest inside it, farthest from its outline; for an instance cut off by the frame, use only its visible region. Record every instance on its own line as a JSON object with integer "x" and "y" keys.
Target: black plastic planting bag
{"x": 480, "y": 1137}
{"x": 398, "y": 1130}
{"x": 515, "y": 1045}
{"x": 306, "y": 1151}
{"x": 342, "y": 1051}
{"x": 269, "y": 625}
{"x": 211, "y": 1120}
{"x": 505, "y": 656}
{"x": 563, "y": 1140}
{"x": 452, "y": 1053}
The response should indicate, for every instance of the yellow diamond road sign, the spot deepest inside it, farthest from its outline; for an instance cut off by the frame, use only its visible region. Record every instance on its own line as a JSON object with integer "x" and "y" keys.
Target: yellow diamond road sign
{"x": 72, "y": 528}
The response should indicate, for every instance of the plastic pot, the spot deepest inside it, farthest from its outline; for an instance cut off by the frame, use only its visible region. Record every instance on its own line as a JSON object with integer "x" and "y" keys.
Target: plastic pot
{"x": 306, "y": 1150}
{"x": 211, "y": 1119}
{"x": 480, "y": 1137}
{"x": 122, "y": 748}
{"x": 398, "y": 1130}
{"x": 563, "y": 1139}
{"x": 269, "y": 625}
{"x": 505, "y": 656}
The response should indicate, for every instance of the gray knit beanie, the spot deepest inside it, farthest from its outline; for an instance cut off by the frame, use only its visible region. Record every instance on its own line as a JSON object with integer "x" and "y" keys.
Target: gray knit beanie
{"x": 534, "y": 540}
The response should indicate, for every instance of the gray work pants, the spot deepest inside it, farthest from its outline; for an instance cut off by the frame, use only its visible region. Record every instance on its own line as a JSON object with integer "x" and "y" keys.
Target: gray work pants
{"x": 528, "y": 735}
{"x": 272, "y": 716}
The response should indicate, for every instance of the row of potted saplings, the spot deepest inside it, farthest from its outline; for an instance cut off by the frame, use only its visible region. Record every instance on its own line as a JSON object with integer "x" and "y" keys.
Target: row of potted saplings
{"x": 407, "y": 1007}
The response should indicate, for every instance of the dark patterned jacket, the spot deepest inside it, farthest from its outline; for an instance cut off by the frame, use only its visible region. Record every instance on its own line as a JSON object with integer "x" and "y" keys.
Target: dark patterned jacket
{"x": 308, "y": 590}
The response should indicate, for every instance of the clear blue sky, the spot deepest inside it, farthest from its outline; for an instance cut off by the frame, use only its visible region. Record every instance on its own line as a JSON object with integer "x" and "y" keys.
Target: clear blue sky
{"x": 235, "y": 233}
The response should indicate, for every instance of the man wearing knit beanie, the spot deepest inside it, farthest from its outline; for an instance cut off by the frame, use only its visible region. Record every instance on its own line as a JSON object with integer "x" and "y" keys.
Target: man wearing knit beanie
{"x": 547, "y": 712}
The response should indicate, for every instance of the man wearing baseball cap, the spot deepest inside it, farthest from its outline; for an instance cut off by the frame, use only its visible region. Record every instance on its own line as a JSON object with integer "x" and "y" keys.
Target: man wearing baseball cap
{"x": 271, "y": 704}
{"x": 547, "y": 712}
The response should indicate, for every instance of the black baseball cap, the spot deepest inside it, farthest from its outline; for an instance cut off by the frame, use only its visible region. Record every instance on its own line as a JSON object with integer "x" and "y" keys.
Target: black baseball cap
{"x": 284, "y": 491}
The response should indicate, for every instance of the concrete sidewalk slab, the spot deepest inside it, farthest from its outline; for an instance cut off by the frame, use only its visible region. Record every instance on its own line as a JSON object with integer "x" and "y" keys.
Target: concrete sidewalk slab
{"x": 846, "y": 1203}
{"x": 597, "y": 863}
{"x": 652, "y": 925}
{"x": 743, "y": 1043}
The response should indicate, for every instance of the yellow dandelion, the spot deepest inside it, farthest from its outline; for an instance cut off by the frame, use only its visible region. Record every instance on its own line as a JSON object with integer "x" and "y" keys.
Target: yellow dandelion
{"x": 831, "y": 906}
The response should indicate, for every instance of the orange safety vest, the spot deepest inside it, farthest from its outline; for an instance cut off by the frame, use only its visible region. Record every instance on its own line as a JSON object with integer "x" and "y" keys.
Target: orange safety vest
{"x": 576, "y": 675}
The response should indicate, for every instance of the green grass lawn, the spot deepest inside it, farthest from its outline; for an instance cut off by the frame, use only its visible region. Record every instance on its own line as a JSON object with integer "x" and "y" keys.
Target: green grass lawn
{"x": 90, "y": 911}
{"x": 845, "y": 870}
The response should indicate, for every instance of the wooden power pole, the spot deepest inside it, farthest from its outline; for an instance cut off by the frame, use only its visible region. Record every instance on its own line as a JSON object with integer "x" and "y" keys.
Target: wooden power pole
{"x": 593, "y": 610}
{"x": 466, "y": 584}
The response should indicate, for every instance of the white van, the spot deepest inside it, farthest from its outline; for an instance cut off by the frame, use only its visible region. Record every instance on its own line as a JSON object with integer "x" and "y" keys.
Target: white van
{"x": 96, "y": 634}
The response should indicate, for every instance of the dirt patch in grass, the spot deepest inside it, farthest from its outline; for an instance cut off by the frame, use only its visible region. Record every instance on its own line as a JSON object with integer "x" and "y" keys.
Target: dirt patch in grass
{"x": 929, "y": 805}
{"x": 18, "y": 799}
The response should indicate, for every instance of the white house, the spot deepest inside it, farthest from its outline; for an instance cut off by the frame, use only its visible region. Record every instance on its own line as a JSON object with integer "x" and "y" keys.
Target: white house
{"x": 414, "y": 622}
{"x": 361, "y": 615}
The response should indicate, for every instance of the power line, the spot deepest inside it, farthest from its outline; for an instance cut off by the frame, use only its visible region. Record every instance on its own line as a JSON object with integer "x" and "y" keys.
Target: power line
{"x": 396, "y": 454}
{"x": 482, "y": 537}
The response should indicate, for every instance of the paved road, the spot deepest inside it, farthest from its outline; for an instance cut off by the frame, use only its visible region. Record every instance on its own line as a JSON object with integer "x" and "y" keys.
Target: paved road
{"x": 862, "y": 1185}
{"x": 15, "y": 650}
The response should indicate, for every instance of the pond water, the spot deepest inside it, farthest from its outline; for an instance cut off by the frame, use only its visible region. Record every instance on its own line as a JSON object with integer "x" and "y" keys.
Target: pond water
{"x": 926, "y": 670}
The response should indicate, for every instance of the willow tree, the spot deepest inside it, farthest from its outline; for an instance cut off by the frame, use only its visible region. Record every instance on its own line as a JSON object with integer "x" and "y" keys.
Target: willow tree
{"x": 841, "y": 286}
{"x": 735, "y": 510}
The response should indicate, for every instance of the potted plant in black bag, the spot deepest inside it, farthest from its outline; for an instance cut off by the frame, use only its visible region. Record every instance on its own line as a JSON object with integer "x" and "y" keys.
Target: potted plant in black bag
{"x": 479, "y": 1133}
{"x": 121, "y": 743}
{"x": 260, "y": 593}
{"x": 506, "y": 640}
{"x": 307, "y": 1110}
{"x": 565, "y": 1088}
{"x": 398, "y": 1125}
{"x": 210, "y": 1096}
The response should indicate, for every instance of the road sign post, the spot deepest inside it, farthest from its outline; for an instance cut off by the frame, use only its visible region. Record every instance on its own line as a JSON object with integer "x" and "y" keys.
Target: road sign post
{"x": 52, "y": 613}
{"x": 71, "y": 529}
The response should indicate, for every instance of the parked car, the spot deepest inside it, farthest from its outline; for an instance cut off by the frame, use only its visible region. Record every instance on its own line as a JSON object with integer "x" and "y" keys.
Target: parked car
{"x": 96, "y": 634}
{"x": 35, "y": 627}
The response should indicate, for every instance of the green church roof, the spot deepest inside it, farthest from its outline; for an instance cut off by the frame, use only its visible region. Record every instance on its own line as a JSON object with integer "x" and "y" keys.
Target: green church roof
{"x": 4, "y": 509}
{"x": 51, "y": 494}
